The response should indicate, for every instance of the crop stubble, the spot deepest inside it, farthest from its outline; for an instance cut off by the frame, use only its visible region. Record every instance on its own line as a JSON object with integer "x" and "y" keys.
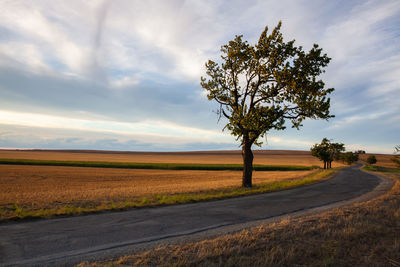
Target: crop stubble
{"x": 57, "y": 189}
{"x": 40, "y": 185}
{"x": 273, "y": 157}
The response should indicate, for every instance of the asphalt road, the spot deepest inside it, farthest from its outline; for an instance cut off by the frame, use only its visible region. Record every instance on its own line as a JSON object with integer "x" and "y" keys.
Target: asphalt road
{"x": 70, "y": 240}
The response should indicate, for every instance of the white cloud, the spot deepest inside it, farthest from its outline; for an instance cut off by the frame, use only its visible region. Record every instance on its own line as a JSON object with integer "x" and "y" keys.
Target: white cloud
{"x": 352, "y": 120}
{"x": 152, "y": 129}
{"x": 23, "y": 54}
{"x": 289, "y": 142}
{"x": 116, "y": 58}
{"x": 32, "y": 26}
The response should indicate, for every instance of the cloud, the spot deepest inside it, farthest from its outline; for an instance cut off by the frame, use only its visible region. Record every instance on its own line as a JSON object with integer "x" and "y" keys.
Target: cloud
{"x": 154, "y": 130}
{"x": 352, "y": 120}
{"x": 30, "y": 25}
{"x": 134, "y": 62}
{"x": 17, "y": 136}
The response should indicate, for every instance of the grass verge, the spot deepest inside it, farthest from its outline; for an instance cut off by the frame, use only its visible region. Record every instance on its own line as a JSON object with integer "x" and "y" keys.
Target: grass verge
{"x": 374, "y": 168}
{"x": 364, "y": 234}
{"x": 160, "y": 166}
{"x": 18, "y": 212}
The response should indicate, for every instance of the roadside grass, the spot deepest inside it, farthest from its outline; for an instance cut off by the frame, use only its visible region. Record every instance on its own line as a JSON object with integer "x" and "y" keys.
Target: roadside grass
{"x": 364, "y": 234}
{"x": 377, "y": 168}
{"x": 159, "y": 166}
{"x": 26, "y": 211}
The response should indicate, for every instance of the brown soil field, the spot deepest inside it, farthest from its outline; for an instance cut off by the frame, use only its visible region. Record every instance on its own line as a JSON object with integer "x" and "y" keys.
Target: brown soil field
{"x": 42, "y": 186}
{"x": 264, "y": 157}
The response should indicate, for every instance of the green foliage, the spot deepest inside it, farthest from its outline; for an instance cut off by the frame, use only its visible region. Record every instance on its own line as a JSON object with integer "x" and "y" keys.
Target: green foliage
{"x": 371, "y": 159}
{"x": 327, "y": 151}
{"x": 259, "y": 87}
{"x": 380, "y": 169}
{"x": 349, "y": 157}
{"x": 161, "y": 166}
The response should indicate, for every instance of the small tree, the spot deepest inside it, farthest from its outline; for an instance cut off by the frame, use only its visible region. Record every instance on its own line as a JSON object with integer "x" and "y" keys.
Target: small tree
{"x": 349, "y": 157}
{"x": 335, "y": 151}
{"x": 327, "y": 152}
{"x": 371, "y": 159}
{"x": 259, "y": 87}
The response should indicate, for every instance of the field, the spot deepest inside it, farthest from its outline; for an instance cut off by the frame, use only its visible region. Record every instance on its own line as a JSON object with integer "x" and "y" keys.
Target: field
{"x": 364, "y": 234}
{"x": 40, "y": 185}
{"x": 42, "y": 191}
{"x": 264, "y": 157}
{"x": 382, "y": 160}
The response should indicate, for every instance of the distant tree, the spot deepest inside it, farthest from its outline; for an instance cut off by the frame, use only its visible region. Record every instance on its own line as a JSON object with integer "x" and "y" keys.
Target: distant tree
{"x": 349, "y": 157}
{"x": 371, "y": 159}
{"x": 335, "y": 152}
{"x": 396, "y": 159}
{"x": 327, "y": 152}
{"x": 320, "y": 151}
{"x": 259, "y": 87}
{"x": 359, "y": 152}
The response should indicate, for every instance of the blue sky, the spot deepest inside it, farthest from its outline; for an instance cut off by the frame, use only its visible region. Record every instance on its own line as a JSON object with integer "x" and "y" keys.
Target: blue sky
{"x": 125, "y": 75}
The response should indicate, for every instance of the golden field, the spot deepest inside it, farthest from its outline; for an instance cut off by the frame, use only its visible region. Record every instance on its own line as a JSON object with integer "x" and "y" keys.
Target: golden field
{"x": 264, "y": 157}
{"x": 42, "y": 185}
{"x": 382, "y": 160}
{"x": 45, "y": 191}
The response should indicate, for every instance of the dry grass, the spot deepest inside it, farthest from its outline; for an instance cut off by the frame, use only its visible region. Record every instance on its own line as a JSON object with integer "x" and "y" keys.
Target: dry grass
{"x": 47, "y": 191}
{"x": 43, "y": 185}
{"x": 382, "y": 160}
{"x": 365, "y": 234}
{"x": 264, "y": 157}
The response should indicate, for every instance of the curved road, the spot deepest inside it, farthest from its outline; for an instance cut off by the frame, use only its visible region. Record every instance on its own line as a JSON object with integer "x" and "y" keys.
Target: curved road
{"x": 70, "y": 240}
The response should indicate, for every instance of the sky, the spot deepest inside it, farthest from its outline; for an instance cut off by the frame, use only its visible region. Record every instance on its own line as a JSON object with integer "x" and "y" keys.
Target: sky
{"x": 125, "y": 74}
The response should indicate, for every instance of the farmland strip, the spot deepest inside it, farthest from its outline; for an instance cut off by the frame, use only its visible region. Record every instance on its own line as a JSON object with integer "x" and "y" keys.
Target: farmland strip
{"x": 160, "y": 166}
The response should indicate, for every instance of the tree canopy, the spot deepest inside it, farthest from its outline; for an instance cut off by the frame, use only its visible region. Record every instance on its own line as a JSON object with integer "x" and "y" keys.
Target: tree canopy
{"x": 327, "y": 151}
{"x": 349, "y": 157}
{"x": 258, "y": 87}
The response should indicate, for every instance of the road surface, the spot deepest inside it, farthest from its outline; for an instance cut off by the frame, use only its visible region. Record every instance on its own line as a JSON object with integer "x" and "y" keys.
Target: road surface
{"x": 71, "y": 240}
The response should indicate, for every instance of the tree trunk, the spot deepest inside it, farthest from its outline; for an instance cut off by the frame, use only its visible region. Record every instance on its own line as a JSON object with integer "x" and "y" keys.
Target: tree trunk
{"x": 324, "y": 164}
{"x": 247, "y": 155}
{"x": 330, "y": 164}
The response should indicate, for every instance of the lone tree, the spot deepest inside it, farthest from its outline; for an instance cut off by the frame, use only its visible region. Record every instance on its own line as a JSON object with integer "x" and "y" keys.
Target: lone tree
{"x": 371, "y": 159}
{"x": 327, "y": 152}
{"x": 259, "y": 87}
